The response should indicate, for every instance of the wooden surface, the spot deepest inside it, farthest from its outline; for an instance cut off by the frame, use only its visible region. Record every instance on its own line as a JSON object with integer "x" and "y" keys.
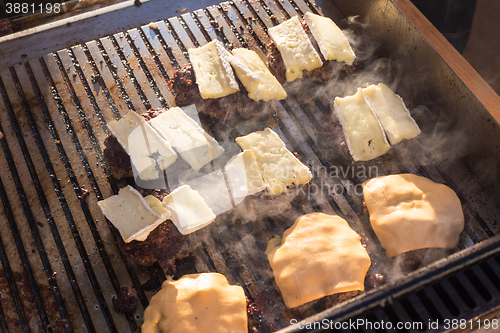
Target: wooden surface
{"x": 453, "y": 58}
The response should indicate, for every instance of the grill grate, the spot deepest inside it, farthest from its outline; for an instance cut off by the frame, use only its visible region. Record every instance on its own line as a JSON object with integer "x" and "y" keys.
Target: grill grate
{"x": 60, "y": 263}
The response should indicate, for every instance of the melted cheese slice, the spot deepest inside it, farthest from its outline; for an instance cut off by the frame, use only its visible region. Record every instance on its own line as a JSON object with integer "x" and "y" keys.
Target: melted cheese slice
{"x": 212, "y": 70}
{"x": 243, "y": 174}
{"x": 319, "y": 255}
{"x": 295, "y": 48}
{"x": 363, "y": 133}
{"x": 141, "y": 141}
{"x": 236, "y": 63}
{"x": 134, "y": 216}
{"x": 194, "y": 145}
{"x": 280, "y": 168}
{"x": 267, "y": 87}
{"x": 409, "y": 212}
{"x": 391, "y": 112}
{"x": 332, "y": 42}
{"x": 189, "y": 211}
{"x": 201, "y": 303}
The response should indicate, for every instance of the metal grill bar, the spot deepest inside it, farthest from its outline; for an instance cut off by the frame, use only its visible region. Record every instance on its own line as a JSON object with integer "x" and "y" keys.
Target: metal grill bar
{"x": 63, "y": 203}
{"x": 404, "y": 311}
{"x": 106, "y": 74}
{"x": 102, "y": 251}
{"x": 71, "y": 111}
{"x": 26, "y": 206}
{"x": 158, "y": 78}
{"x": 493, "y": 271}
{"x": 103, "y": 103}
{"x": 75, "y": 186}
{"x": 81, "y": 93}
{"x": 480, "y": 282}
{"x": 130, "y": 64}
{"x": 40, "y": 110}
{"x": 428, "y": 294}
{"x": 57, "y": 186}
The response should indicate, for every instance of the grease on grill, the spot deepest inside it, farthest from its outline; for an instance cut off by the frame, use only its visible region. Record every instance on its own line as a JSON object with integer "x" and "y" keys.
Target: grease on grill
{"x": 254, "y": 314}
{"x": 84, "y": 193}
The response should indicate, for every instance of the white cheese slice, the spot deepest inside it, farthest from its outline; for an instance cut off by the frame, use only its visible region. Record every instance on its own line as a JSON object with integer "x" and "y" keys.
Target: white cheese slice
{"x": 134, "y": 216}
{"x": 194, "y": 145}
{"x": 332, "y": 42}
{"x": 244, "y": 176}
{"x": 295, "y": 47}
{"x": 363, "y": 133}
{"x": 141, "y": 141}
{"x": 391, "y": 112}
{"x": 214, "y": 75}
{"x": 189, "y": 211}
{"x": 267, "y": 87}
{"x": 213, "y": 189}
{"x": 280, "y": 168}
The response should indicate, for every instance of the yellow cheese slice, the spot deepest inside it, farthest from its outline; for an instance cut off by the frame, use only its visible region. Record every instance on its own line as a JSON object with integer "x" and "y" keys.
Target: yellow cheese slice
{"x": 280, "y": 168}
{"x": 319, "y": 255}
{"x": 134, "y": 216}
{"x": 362, "y": 131}
{"x": 391, "y": 112}
{"x": 295, "y": 48}
{"x": 409, "y": 212}
{"x": 214, "y": 75}
{"x": 268, "y": 87}
{"x": 332, "y": 42}
{"x": 201, "y": 303}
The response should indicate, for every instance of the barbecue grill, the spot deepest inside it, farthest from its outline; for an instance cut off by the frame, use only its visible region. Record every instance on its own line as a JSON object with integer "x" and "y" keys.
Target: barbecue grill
{"x": 60, "y": 262}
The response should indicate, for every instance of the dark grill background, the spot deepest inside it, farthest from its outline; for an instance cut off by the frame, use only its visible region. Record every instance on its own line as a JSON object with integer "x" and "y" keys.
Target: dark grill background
{"x": 60, "y": 263}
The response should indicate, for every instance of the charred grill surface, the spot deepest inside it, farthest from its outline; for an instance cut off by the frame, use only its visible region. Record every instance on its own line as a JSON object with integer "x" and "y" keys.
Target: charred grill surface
{"x": 183, "y": 83}
{"x": 163, "y": 245}
{"x": 126, "y": 300}
{"x": 61, "y": 261}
